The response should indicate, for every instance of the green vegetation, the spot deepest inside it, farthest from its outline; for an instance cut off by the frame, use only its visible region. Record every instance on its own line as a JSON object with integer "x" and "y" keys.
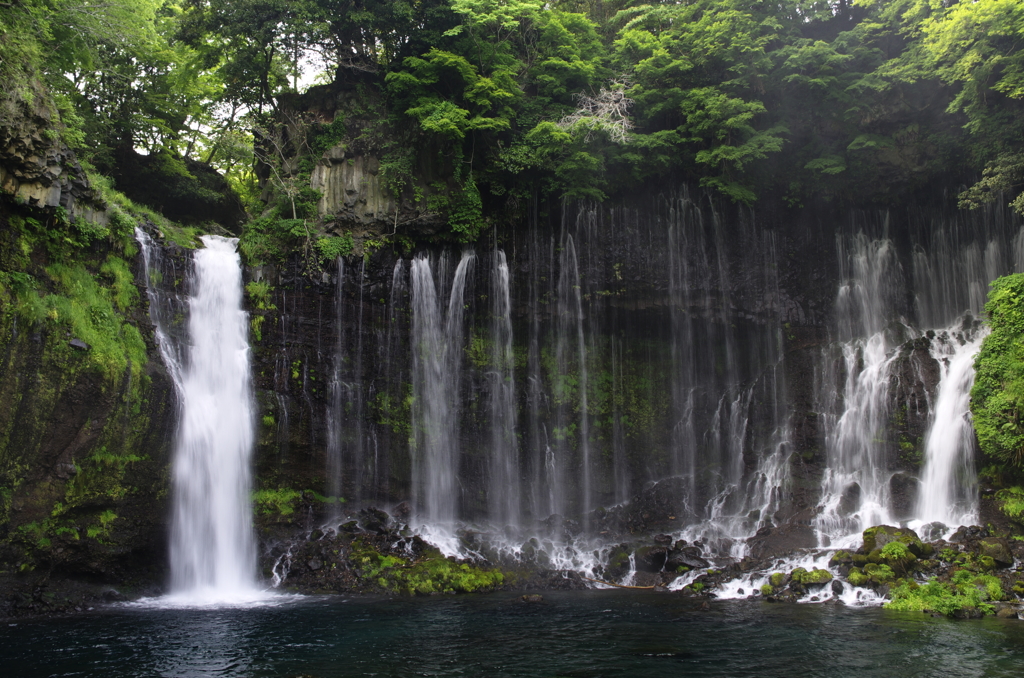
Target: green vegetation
{"x": 812, "y": 577}
{"x": 430, "y": 573}
{"x": 280, "y": 502}
{"x": 332, "y": 247}
{"x": 1011, "y": 502}
{"x": 965, "y": 593}
{"x": 997, "y": 399}
{"x": 471, "y": 107}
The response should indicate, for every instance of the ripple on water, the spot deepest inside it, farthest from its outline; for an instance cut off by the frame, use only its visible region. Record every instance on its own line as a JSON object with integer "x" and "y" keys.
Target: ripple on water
{"x": 597, "y": 633}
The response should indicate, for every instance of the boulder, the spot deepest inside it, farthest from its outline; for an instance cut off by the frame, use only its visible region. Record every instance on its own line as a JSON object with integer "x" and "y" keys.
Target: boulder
{"x": 968, "y": 533}
{"x": 688, "y": 556}
{"x": 778, "y": 542}
{"x": 650, "y": 558}
{"x": 877, "y": 537}
{"x": 997, "y": 549}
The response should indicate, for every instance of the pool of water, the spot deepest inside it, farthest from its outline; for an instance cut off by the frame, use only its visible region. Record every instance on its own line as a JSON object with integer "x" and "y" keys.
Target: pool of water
{"x": 570, "y": 635}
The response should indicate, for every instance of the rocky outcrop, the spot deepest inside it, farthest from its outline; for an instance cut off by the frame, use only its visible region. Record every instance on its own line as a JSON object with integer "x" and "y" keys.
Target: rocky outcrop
{"x": 354, "y": 197}
{"x": 184, "y": 190}
{"x": 39, "y": 170}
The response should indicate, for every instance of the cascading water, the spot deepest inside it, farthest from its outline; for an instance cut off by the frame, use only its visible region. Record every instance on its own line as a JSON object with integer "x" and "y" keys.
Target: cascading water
{"x": 336, "y": 401}
{"x": 212, "y": 547}
{"x": 855, "y": 486}
{"x": 949, "y": 493}
{"x": 570, "y": 381}
{"x": 437, "y": 340}
{"x": 950, "y": 278}
{"x": 504, "y": 496}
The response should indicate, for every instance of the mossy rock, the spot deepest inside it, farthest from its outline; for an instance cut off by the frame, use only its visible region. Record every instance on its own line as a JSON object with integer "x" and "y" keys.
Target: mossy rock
{"x": 840, "y": 558}
{"x": 875, "y": 538}
{"x": 814, "y": 577}
{"x": 879, "y": 573}
{"x": 997, "y": 550}
{"x": 778, "y": 579}
{"x": 858, "y": 578}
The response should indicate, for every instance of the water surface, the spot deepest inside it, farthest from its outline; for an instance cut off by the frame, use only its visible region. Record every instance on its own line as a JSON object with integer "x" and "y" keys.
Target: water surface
{"x": 571, "y": 635}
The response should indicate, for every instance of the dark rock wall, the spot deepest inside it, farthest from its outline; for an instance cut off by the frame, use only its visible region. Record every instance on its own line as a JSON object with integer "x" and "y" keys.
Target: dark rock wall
{"x": 754, "y": 314}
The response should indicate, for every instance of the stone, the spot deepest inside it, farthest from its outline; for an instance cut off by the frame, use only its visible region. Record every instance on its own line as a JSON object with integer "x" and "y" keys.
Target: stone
{"x": 650, "y": 558}
{"x": 374, "y": 520}
{"x": 997, "y": 549}
{"x": 688, "y": 556}
{"x": 777, "y": 542}
{"x": 79, "y": 344}
{"x": 1008, "y": 612}
{"x": 968, "y": 533}
{"x": 933, "y": 531}
{"x": 314, "y": 564}
{"x": 877, "y": 537}
{"x": 532, "y": 598}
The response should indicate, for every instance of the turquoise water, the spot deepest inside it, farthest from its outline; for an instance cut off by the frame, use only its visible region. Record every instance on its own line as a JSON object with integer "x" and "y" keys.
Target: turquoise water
{"x": 574, "y": 635}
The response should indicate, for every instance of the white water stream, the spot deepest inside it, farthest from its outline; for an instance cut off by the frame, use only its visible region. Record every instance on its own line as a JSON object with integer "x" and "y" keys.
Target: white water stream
{"x": 213, "y": 555}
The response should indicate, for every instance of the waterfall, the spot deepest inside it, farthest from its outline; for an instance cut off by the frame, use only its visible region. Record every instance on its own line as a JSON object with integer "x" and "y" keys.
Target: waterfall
{"x": 437, "y": 340}
{"x": 212, "y": 546}
{"x": 571, "y": 433}
{"x": 855, "y": 486}
{"x": 504, "y": 495}
{"x": 948, "y": 482}
{"x": 336, "y": 400}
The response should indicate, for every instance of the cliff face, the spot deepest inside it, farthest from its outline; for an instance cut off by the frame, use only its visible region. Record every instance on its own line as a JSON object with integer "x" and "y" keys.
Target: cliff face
{"x": 584, "y": 357}
{"x": 37, "y": 169}
{"x": 711, "y": 344}
{"x": 86, "y": 410}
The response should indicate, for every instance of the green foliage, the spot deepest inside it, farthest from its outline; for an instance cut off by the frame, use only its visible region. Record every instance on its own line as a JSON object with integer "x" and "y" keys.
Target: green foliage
{"x": 814, "y": 576}
{"x": 394, "y": 412}
{"x": 279, "y": 502}
{"x": 965, "y": 592}
{"x": 85, "y": 308}
{"x": 997, "y": 398}
{"x": 1011, "y": 502}
{"x": 332, "y": 247}
{"x": 430, "y": 574}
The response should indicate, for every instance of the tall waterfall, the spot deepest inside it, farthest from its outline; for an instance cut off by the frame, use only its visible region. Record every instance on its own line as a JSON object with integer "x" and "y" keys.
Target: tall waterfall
{"x": 951, "y": 270}
{"x": 437, "y": 340}
{"x": 505, "y": 490}
{"x": 855, "y": 487}
{"x": 212, "y": 547}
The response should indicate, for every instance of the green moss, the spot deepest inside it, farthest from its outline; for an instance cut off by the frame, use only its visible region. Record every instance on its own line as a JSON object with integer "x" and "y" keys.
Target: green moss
{"x": 1011, "y": 502}
{"x": 857, "y": 577}
{"x": 814, "y": 576}
{"x": 767, "y": 590}
{"x": 778, "y": 579}
{"x": 898, "y": 556}
{"x": 431, "y": 573}
{"x": 260, "y": 298}
{"x": 478, "y": 351}
{"x": 395, "y": 413}
{"x": 965, "y": 592}
{"x": 279, "y": 501}
{"x": 879, "y": 574}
